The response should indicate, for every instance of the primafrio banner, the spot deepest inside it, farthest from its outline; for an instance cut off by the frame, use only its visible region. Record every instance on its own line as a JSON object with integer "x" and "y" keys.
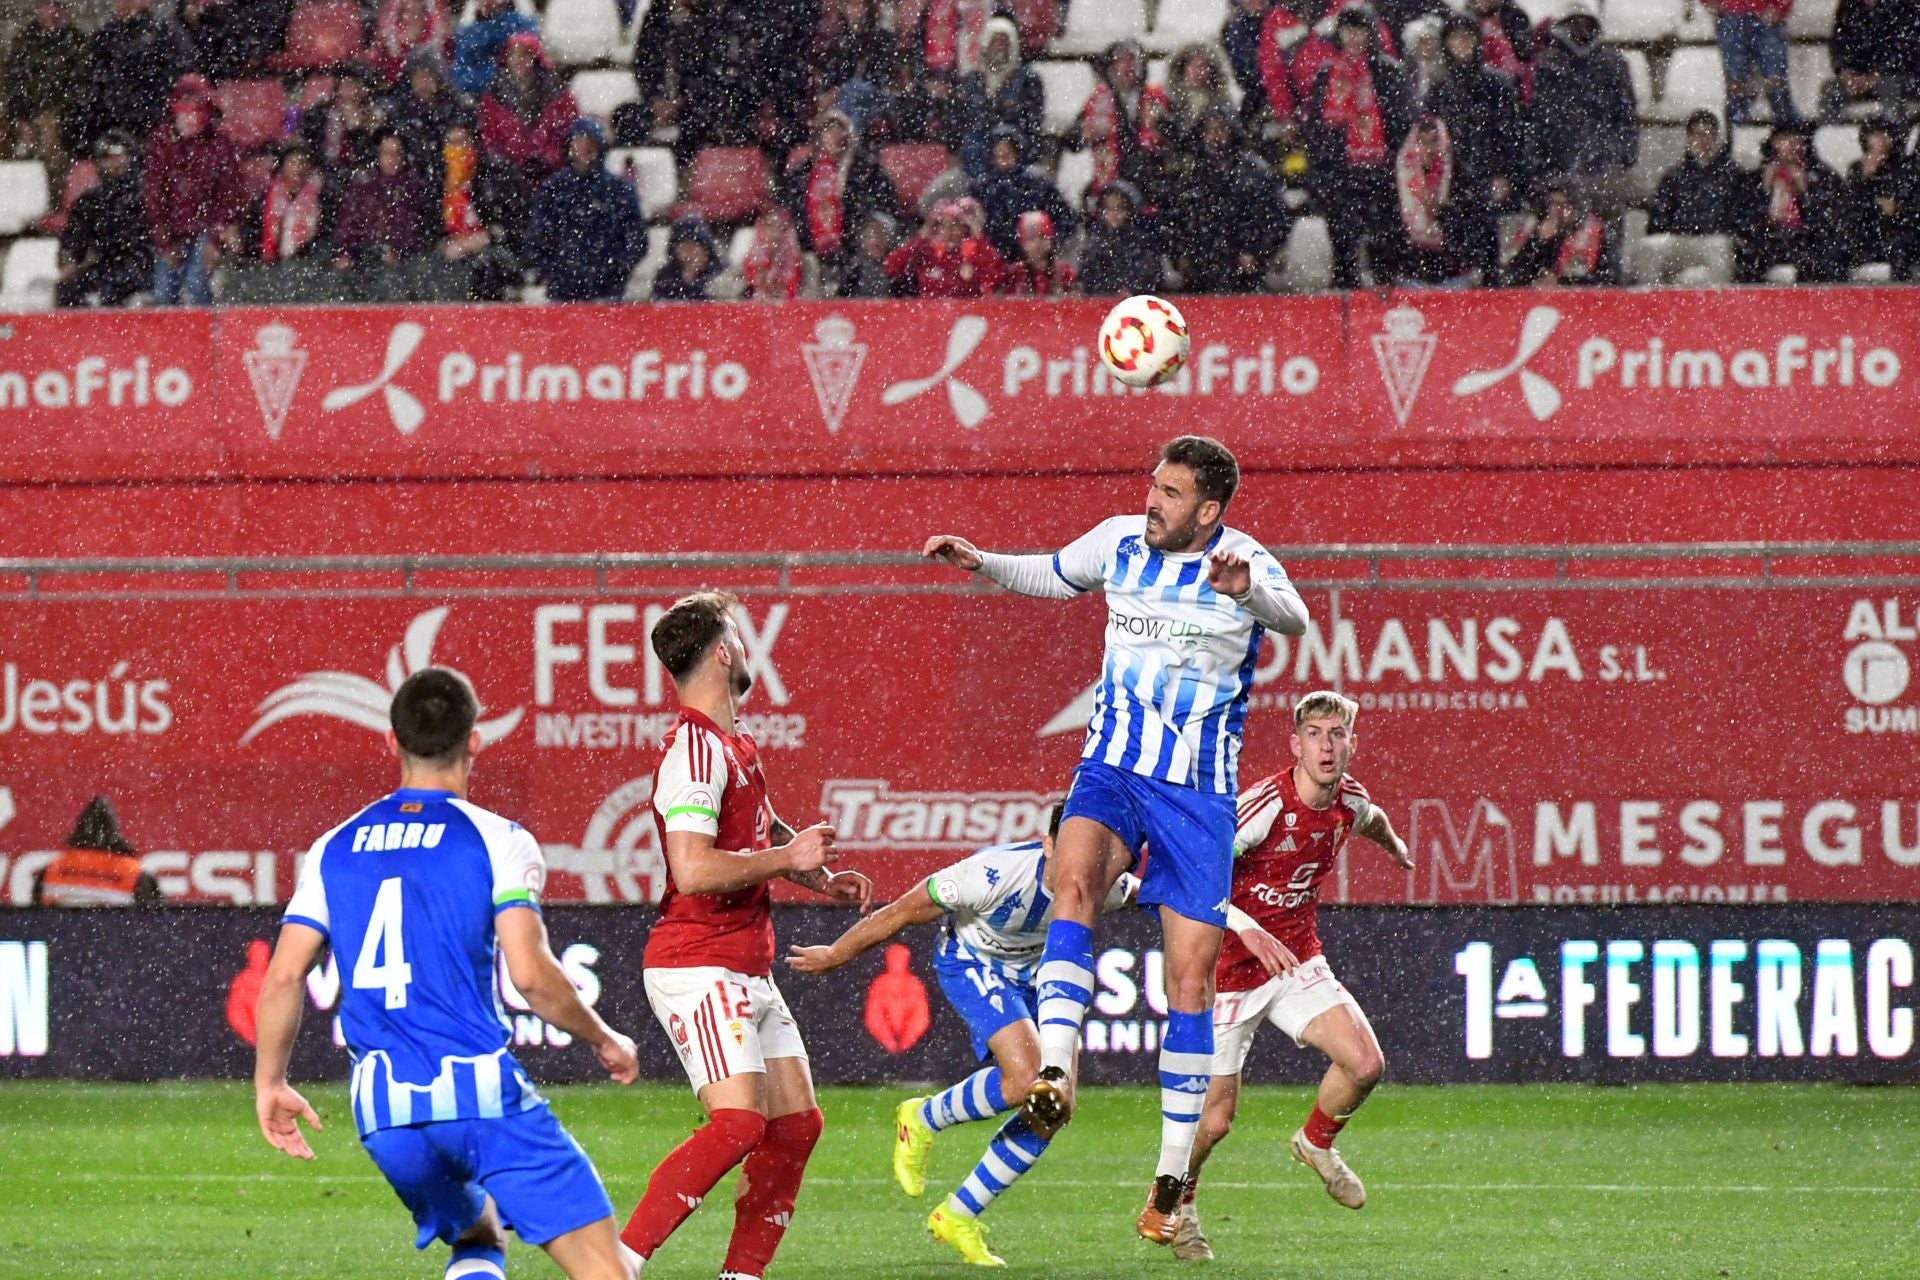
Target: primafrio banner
{"x": 1815, "y": 992}
{"x": 1561, "y": 746}
{"x": 1493, "y": 378}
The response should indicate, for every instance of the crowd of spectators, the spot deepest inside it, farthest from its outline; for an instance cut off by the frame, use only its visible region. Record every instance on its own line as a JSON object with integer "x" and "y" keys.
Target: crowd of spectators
{"x": 1442, "y": 146}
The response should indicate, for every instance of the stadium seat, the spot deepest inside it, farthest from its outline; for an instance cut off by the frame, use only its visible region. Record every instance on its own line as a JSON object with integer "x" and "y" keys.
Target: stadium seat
{"x": 1186, "y": 22}
{"x": 1038, "y": 22}
{"x": 27, "y": 282}
{"x": 655, "y": 178}
{"x": 1669, "y": 259}
{"x": 82, "y": 177}
{"x": 1642, "y": 80}
{"x": 24, "y": 198}
{"x": 1638, "y": 21}
{"x": 1838, "y": 145}
{"x": 1694, "y": 83}
{"x": 1092, "y": 25}
{"x": 599, "y": 92}
{"x": 1694, "y": 23}
{"x": 1812, "y": 19}
{"x": 1309, "y": 265}
{"x": 727, "y": 184}
{"x": 1067, "y": 85}
{"x": 1541, "y": 9}
{"x": 1873, "y": 273}
{"x": 1749, "y": 140}
{"x": 913, "y": 166}
{"x": 253, "y": 112}
{"x": 1808, "y": 70}
{"x": 322, "y": 33}
{"x": 471, "y": 9}
{"x": 577, "y": 32}
{"x": 737, "y": 247}
{"x": 640, "y": 283}
{"x": 1075, "y": 176}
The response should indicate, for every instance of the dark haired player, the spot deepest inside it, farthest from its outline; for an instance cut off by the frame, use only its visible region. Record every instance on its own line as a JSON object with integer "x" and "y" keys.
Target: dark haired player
{"x": 709, "y": 958}
{"x": 1188, "y": 600}
{"x": 413, "y": 893}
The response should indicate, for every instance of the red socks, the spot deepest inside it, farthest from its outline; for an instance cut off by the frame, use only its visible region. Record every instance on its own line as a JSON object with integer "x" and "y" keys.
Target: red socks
{"x": 1321, "y": 1128}
{"x": 769, "y": 1185}
{"x": 683, "y": 1179}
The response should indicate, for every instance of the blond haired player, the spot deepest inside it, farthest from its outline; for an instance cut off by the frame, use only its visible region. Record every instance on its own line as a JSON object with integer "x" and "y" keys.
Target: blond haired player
{"x": 1291, "y": 827}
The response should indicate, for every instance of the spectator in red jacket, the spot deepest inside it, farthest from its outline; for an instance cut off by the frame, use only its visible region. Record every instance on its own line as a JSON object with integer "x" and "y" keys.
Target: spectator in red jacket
{"x": 945, "y": 260}
{"x": 1752, "y": 35}
{"x": 1039, "y": 273}
{"x": 194, "y": 195}
{"x": 527, "y": 111}
{"x": 383, "y": 218}
{"x": 407, "y": 27}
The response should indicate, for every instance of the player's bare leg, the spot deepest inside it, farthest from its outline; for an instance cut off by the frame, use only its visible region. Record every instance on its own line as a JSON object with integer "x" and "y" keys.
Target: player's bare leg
{"x": 1087, "y": 859}
{"x": 1346, "y": 1037}
{"x": 770, "y": 1176}
{"x": 1216, "y": 1122}
{"x": 1186, "y": 1064}
{"x": 591, "y": 1252}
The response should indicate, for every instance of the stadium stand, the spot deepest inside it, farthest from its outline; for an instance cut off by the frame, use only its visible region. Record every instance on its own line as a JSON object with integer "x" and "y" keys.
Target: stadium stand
{"x": 322, "y": 33}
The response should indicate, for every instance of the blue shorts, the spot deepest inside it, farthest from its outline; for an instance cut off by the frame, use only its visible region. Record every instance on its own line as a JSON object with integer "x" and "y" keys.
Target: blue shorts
{"x": 987, "y": 1002}
{"x": 538, "y": 1176}
{"x": 1188, "y": 835}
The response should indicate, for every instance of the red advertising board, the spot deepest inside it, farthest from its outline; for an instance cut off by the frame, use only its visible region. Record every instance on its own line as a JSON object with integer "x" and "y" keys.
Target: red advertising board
{"x": 1556, "y": 745}
{"x": 1001, "y": 386}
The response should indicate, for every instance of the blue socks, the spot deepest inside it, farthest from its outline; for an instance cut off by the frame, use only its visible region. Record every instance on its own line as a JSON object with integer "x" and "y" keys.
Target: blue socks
{"x": 1012, "y": 1152}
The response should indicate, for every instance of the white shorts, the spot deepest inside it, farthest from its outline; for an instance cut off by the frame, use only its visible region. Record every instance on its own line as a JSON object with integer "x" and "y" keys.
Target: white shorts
{"x": 1289, "y": 1001}
{"x": 722, "y": 1023}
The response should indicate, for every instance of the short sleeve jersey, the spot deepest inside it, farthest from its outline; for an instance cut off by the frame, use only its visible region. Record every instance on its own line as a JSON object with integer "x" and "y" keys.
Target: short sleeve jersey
{"x": 709, "y": 781}
{"x": 996, "y": 902}
{"x": 406, "y": 892}
{"x": 1282, "y": 850}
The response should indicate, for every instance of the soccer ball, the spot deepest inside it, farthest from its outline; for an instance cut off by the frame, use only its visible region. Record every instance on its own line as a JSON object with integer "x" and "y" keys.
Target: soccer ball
{"x": 1143, "y": 340}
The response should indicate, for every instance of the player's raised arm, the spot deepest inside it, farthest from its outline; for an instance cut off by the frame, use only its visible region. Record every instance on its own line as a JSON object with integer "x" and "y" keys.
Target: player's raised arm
{"x": 1258, "y": 584}
{"x": 548, "y": 991}
{"x": 1377, "y": 827}
{"x": 278, "y": 1105}
{"x": 916, "y": 906}
{"x": 1075, "y": 569}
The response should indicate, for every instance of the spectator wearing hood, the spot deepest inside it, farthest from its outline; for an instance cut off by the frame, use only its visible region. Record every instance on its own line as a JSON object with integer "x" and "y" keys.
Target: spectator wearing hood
{"x": 1705, "y": 194}
{"x": 1491, "y": 160}
{"x": 343, "y": 128}
{"x": 1565, "y": 245}
{"x": 382, "y": 224}
{"x": 1240, "y": 41}
{"x": 106, "y": 251}
{"x": 1506, "y": 40}
{"x": 1010, "y": 188}
{"x": 477, "y": 45}
{"x": 194, "y": 195}
{"x": 527, "y": 111}
{"x": 45, "y": 69}
{"x": 1111, "y": 121}
{"x": 1001, "y": 92}
{"x": 406, "y": 29}
{"x": 294, "y": 217}
{"x": 586, "y": 234}
{"x": 1752, "y": 35}
{"x": 421, "y": 107}
{"x": 1038, "y": 272}
{"x": 133, "y": 61}
{"x": 1120, "y": 257}
{"x": 1883, "y": 202}
{"x": 1875, "y": 52}
{"x": 693, "y": 269}
{"x": 774, "y": 264}
{"x": 1440, "y": 217}
{"x": 1802, "y": 207}
{"x": 1584, "y": 109}
{"x": 834, "y": 188}
{"x": 1356, "y": 119}
{"x": 948, "y": 259}
{"x": 1422, "y": 60}
{"x": 1228, "y": 218}
{"x": 485, "y": 204}
{"x": 98, "y": 867}
{"x": 865, "y": 273}
{"x": 1196, "y": 86}
{"x": 234, "y": 37}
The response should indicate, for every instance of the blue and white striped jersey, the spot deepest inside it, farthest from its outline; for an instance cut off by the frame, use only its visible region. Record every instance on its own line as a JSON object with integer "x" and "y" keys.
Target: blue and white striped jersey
{"x": 996, "y": 902}
{"x": 1179, "y": 662}
{"x": 406, "y": 892}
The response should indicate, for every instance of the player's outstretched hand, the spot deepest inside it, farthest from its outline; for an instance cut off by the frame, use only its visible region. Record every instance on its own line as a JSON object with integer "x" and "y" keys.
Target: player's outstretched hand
{"x": 811, "y": 959}
{"x": 850, "y": 886}
{"x": 1401, "y": 855}
{"x": 619, "y": 1059}
{"x": 1229, "y": 574}
{"x": 957, "y": 552}
{"x": 811, "y": 849}
{"x": 281, "y": 1109}
{"x": 1269, "y": 951}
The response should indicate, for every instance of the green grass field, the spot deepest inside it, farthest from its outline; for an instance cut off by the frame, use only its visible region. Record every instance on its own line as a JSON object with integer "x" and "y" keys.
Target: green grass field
{"x": 1763, "y": 1181}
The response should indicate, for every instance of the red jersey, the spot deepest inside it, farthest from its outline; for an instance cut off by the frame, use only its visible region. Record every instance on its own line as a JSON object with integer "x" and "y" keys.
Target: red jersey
{"x": 1282, "y": 850}
{"x": 710, "y": 781}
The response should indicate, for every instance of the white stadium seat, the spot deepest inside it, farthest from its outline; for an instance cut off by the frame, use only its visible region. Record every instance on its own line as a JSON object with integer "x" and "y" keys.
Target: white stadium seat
{"x": 1074, "y": 177}
{"x": 1538, "y": 9}
{"x": 1634, "y": 21}
{"x": 1812, "y": 19}
{"x": 1749, "y": 141}
{"x": 599, "y": 92}
{"x": 1309, "y": 266}
{"x": 580, "y": 31}
{"x": 1694, "y": 83}
{"x": 32, "y": 266}
{"x": 1838, "y": 145}
{"x": 654, "y": 176}
{"x": 1186, "y": 22}
{"x": 640, "y": 284}
{"x": 1808, "y": 70}
{"x": 1092, "y": 25}
{"x": 1642, "y": 80}
{"x": 23, "y": 195}
{"x": 1694, "y": 24}
{"x": 1067, "y": 85}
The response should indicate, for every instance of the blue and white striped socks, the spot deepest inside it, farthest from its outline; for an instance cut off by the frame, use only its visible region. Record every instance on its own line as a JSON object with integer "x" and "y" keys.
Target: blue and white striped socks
{"x": 1186, "y": 1069}
{"x": 975, "y": 1098}
{"x": 1066, "y": 989}
{"x": 1012, "y": 1152}
{"x": 477, "y": 1264}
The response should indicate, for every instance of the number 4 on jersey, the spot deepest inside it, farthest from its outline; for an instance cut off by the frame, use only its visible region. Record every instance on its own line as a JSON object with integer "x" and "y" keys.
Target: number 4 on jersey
{"x": 383, "y": 955}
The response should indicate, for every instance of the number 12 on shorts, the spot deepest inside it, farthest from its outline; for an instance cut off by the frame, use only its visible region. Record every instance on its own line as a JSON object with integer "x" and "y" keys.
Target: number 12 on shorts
{"x": 382, "y": 964}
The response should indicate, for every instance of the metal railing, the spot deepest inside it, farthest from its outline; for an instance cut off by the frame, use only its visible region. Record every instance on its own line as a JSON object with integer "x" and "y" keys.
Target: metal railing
{"x": 1349, "y": 566}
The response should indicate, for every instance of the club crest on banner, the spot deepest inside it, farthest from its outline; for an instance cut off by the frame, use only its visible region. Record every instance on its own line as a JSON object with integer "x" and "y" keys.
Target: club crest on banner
{"x": 274, "y": 366}
{"x": 1403, "y": 349}
{"x": 833, "y": 366}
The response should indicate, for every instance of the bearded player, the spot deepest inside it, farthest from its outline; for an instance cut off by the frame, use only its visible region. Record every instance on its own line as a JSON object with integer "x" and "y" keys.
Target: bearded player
{"x": 1291, "y": 828}
{"x": 709, "y": 958}
{"x": 1188, "y": 600}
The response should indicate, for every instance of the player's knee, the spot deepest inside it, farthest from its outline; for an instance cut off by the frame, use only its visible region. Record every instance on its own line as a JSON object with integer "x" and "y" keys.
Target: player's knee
{"x": 741, "y": 1130}
{"x": 1367, "y": 1068}
{"x": 797, "y": 1131}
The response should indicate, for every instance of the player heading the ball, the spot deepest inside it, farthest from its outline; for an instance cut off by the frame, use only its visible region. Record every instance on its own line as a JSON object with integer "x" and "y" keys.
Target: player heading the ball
{"x": 1188, "y": 600}
{"x": 413, "y": 893}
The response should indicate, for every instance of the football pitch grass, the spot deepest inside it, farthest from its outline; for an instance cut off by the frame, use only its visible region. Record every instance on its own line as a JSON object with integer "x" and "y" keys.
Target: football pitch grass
{"x": 172, "y": 1180}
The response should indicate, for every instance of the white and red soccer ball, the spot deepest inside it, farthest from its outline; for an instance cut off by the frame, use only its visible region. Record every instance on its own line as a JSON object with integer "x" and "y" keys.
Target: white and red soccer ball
{"x": 1143, "y": 340}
